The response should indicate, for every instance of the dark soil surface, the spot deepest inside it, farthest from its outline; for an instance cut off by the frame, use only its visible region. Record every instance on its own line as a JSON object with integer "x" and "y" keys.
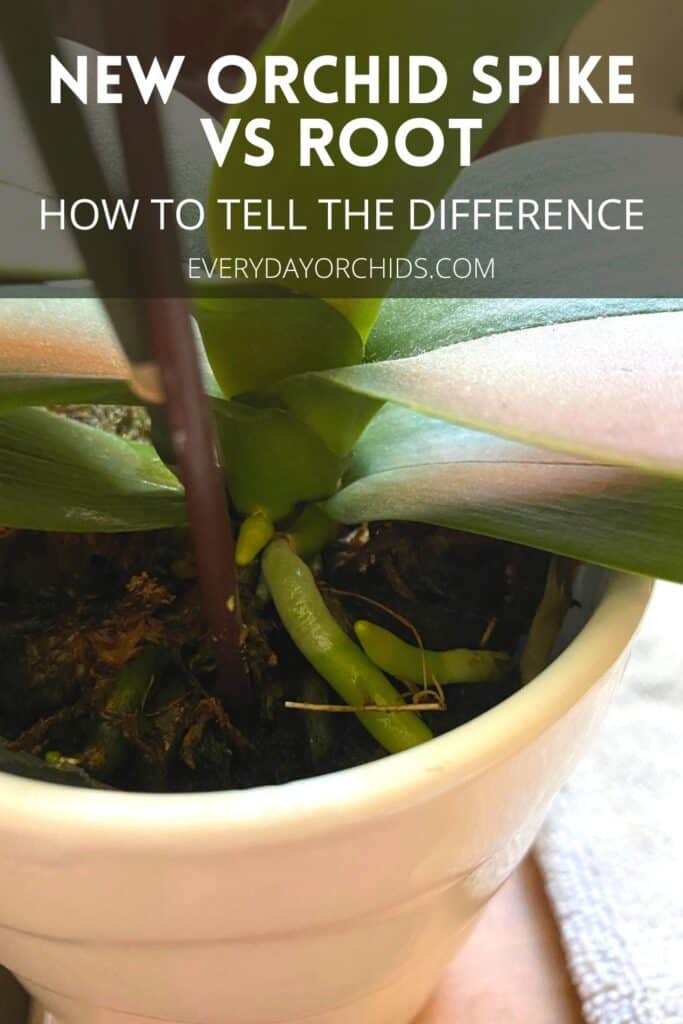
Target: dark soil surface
{"x": 75, "y": 609}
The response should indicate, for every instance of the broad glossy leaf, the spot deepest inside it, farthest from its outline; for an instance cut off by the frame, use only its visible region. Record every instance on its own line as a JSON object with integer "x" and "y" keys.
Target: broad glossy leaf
{"x": 59, "y": 351}
{"x": 409, "y": 327}
{"x": 56, "y": 474}
{"x": 412, "y": 468}
{"x": 76, "y": 165}
{"x": 189, "y": 157}
{"x": 254, "y": 342}
{"x": 608, "y": 390}
{"x": 62, "y": 351}
{"x": 54, "y": 335}
{"x": 575, "y": 173}
{"x": 455, "y": 33}
{"x": 17, "y": 392}
{"x": 551, "y": 263}
{"x": 26, "y": 253}
{"x": 61, "y": 136}
{"x": 336, "y": 415}
{"x": 38, "y": 132}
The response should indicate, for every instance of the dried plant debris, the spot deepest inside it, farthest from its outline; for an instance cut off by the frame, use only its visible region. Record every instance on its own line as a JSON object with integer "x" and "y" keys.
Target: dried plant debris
{"x": 131, "y": 422}
{"x": 107, "y": 678}
{"x": 547, "y": 622}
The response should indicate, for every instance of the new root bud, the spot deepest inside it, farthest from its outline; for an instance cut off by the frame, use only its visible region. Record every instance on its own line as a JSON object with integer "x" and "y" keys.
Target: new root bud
{"x": 255, "y": 532}
{"x": 333, "y": 654}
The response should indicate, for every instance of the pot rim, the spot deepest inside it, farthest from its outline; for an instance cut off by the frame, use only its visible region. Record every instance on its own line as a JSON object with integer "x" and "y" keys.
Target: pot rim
{"x": 269, "y": 815}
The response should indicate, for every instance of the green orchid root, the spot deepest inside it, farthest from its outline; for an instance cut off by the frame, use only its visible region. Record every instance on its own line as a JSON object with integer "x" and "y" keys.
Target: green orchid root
{"x": 127, "y": 697}
{"x": 418, "y": 666}
{"x": 329, "y": 650}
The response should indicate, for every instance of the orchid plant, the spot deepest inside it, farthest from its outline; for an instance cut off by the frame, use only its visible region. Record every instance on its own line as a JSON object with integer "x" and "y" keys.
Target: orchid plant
{"x": 554, "y": 423}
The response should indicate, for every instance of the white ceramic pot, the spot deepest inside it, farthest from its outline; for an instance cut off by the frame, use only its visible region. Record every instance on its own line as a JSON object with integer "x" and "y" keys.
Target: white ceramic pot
{"x": 336, "y": 900}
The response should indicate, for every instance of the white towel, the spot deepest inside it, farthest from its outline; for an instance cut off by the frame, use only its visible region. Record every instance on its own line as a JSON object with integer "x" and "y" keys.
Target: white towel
{"x": 612, "y": 848}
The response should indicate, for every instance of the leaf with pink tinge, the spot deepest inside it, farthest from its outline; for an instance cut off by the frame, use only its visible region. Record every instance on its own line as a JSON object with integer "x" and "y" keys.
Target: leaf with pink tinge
{"x": 412, "y": 468}
{"x": 59, "y": 337}
{"x": 62, "y": 351}
{"x": 606, "y": 389}
{"x": 406, "y": 327}
{"x": 59, "y": 351}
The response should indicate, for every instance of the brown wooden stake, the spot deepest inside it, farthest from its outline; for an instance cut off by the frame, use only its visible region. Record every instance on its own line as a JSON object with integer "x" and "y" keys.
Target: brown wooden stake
{"x": 194, "y": 443}
{"x": 175, "y": 357}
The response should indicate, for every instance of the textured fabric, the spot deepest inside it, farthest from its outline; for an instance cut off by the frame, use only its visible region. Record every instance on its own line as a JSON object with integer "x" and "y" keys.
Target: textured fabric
{"x": 612, "y": 848}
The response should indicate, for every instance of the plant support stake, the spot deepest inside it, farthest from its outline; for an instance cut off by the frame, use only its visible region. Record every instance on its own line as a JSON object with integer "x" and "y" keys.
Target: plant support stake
{"x": 174, "y": 349}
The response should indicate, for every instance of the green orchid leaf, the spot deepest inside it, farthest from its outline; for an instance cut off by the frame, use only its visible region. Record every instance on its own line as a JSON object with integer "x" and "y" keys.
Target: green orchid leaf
{"x": 336, "y": 415}
{"x": 53, "y": 335}
{"x": 17, "y": 392}
{"x": 59, "y": 133}
{"x": 189, "y": 158}
{"x": 59, "y": 351}
{"x": 412, "y": 468}
{"x": 456, "y": 34}
{"x": 26, "y": 252}
{"x": 409, "y": 327}
{"x": 56, "y": 474}
{"x": 38, "y": 156}
{"x": 561, "y": 256}
{"x": 607, "y": 390}
{"x": 549, "y": 263}
{"x": 29, "y": 254}
{"x": 254, "y": 342}
{"x": 272, "y": 461}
